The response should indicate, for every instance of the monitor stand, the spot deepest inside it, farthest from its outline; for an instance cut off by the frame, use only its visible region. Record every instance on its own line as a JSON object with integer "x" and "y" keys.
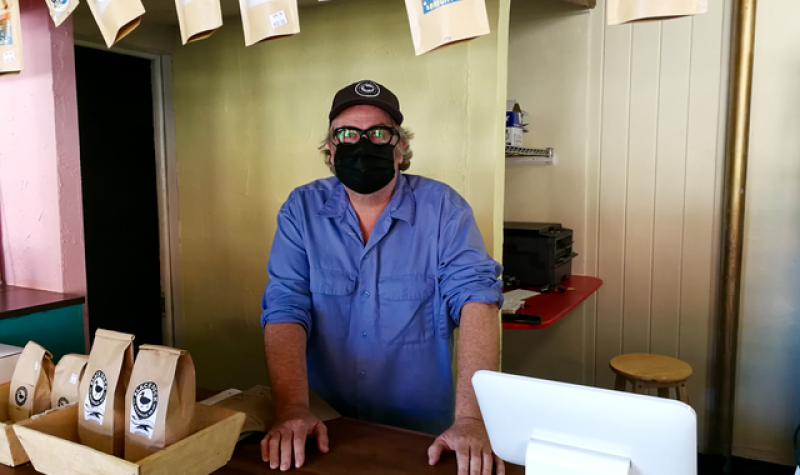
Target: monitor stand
{"x": 546, "y": 456}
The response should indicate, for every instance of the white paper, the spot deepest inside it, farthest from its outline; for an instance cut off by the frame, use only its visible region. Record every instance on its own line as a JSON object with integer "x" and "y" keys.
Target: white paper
{"x": 278, "y": 19}
{"x": 513, "y": 300}
{"x": 255, "y": 3}
{"x": 36, "y": 366}
{"x": 73, "y": 379}
{"x": 9, "y": 56}
{"x": 186, "y": 2}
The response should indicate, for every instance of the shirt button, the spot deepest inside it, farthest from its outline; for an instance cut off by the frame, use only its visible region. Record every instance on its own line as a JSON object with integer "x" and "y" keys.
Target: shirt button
{"x": 364, "y": 334}
{"x": 366, "y": 294}
{"x": 366, "y": 257}
{"x": 363, "y": 374}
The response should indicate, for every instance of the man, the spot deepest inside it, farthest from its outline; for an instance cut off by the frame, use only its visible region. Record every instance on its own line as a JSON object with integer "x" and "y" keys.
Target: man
{"x": 369, "y": 274}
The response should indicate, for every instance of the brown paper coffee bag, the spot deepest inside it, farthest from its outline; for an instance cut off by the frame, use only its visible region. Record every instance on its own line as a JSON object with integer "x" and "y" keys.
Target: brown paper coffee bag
{"x": 60, "y": 10}
{"x": 160, "y": 402}
{"x": 31, "y": 384}
{"x": 436, "y": 23}
{"x": 268, "y": 19}
{"x": 624, "y": 11}
{"x": 101, "y": 403}
{"x": 10, "y": 37}
{"x": 198, "y": 19}
{"x": 67, "y": 380}
{"x": 116, "y": 18}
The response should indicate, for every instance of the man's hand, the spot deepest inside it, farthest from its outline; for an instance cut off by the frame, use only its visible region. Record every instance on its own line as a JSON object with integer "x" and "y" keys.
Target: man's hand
{"x": 289, "y": 431}
{"x": 468, "y": 438}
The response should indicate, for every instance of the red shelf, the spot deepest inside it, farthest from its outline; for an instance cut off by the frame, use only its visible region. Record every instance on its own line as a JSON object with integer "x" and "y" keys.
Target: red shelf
{"x": 553, "y": 307}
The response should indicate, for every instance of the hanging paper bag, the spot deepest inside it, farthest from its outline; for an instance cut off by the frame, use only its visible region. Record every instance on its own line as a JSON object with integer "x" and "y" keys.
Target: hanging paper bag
{"x": 10, "y": 37}
{"x": 436, "y": 23}
{"x": 198, "y": 19}
{"x": 60, "y": 10}
{"x": 116, "y": 18}
{"x": 624, "y": 11}
{"x": 268, "y": 19}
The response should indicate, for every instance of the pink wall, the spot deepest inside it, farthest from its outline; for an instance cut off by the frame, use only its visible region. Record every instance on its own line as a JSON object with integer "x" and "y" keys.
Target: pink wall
{"x": 41, "y": 223}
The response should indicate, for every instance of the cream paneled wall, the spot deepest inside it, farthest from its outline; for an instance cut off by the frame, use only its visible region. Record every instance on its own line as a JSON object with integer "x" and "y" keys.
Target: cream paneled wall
{"x": 635, "y": 113}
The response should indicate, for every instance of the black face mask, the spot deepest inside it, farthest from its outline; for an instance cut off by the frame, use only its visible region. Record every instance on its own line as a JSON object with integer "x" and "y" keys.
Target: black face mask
{"x": 363, "y": 166}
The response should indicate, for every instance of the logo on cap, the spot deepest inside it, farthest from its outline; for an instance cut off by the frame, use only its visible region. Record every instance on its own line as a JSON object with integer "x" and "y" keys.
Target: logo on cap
{"x": 367, "y": 89}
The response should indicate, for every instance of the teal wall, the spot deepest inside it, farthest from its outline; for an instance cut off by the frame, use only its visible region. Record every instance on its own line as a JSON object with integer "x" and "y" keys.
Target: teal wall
{"x": 59, "y": 331}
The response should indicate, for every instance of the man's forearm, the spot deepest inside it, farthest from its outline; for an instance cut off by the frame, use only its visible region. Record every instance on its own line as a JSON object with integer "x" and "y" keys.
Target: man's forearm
{"x": 285, "y": 345}
{"x": 478, "y": 348}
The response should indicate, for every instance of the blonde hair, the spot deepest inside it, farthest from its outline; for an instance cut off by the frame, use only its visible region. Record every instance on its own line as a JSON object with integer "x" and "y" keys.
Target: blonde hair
{"x": 404, "y": 135}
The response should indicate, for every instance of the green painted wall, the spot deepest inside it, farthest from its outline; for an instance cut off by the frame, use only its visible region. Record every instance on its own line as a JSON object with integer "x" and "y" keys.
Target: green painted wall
{"x": 59, "y": 331}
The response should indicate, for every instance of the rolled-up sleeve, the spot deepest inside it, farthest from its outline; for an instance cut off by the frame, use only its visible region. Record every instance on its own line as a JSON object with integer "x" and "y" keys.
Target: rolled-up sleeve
{"x": 287, "y": 297}
{"x": 466, "y": 272}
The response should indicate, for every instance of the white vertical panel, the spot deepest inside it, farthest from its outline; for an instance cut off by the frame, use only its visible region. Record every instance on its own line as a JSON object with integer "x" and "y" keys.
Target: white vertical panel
{"x": 613, "y": 176}
{"x": 706, "y": 122}
{"x": 641, "y": 184}
{"x": 670, "y": 185}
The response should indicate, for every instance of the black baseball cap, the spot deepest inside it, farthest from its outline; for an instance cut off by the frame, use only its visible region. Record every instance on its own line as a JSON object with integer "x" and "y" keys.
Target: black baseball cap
{"x": 369, "y": 93}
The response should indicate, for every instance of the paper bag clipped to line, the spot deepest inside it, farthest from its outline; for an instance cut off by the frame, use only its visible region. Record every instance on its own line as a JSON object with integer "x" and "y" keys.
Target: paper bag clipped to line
{"x": 198, "y": 19}
{"x": 116, "y": 18}
{"x": 268, "y": 19}
{"x": 436, "y": 23}
{"x": 625, "y": 11}
{"x": 60, "y": 10}
{"x": 257, "y": 404}
{"x": 10, "y": 37}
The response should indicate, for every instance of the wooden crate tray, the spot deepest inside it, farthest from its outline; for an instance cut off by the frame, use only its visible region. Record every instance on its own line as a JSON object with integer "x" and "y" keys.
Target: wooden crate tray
{"x": 51, "y": 442}
{"x": 11, "y": 451}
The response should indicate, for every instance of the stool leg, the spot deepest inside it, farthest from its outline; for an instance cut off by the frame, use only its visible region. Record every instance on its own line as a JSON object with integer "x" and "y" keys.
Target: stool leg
{"x": 663, "y": 392}
{"x": 619, "y": 385}
{"x": 683, "y": 392}
{"x": 639, "y": 387}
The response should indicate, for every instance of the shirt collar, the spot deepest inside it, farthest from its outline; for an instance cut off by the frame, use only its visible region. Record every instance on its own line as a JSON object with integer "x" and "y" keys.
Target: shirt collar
{"x": 401, "y": 206}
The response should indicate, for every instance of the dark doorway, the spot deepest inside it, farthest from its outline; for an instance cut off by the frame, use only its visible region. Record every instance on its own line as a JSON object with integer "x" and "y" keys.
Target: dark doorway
{"x": 120, "y": 201}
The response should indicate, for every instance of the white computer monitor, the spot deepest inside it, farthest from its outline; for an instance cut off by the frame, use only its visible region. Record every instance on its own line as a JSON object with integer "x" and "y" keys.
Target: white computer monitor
{"x": 556, "y": 428}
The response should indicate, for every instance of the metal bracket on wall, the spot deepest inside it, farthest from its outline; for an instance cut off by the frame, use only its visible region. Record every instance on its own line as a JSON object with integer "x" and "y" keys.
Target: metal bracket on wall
{"x": 525, "y": 156}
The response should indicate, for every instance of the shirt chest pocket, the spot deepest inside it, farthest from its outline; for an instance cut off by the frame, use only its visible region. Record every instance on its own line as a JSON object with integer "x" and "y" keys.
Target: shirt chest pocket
{"x": 406, "y": 309}
{"x": 331, "y": 295}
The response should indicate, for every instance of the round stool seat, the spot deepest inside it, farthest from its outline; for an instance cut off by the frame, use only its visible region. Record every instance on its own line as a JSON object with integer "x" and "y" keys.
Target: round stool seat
{"x": 646, "y": 367}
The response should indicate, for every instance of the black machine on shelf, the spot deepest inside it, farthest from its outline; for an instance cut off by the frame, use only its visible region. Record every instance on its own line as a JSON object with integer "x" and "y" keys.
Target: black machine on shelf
{"x": 536, "y": 254}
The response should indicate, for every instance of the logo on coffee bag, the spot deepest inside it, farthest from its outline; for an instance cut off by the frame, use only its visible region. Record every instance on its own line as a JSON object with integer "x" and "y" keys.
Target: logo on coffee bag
{"x": 95, "y": 405}
{"x": 21, "y": 396}
{"x": 59, "y": 5}
{"x": 62, "y": 401}
{"x": 144, "y": 407}
{"x": 430, "y": 5}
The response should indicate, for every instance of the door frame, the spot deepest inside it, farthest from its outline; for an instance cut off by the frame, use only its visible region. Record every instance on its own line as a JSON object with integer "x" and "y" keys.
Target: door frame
{"x": 167, "y": 187}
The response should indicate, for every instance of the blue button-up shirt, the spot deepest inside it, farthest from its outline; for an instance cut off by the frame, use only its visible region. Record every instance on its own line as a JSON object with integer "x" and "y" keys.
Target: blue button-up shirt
{"x": 380, "y": 315}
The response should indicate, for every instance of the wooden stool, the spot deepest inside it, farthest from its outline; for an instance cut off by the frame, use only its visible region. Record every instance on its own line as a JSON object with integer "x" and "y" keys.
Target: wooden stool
{"x": 646, "y": 371}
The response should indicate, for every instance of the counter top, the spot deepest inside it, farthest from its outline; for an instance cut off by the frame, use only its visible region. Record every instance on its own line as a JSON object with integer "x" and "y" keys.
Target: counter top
{"x": 19, "y": 301}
